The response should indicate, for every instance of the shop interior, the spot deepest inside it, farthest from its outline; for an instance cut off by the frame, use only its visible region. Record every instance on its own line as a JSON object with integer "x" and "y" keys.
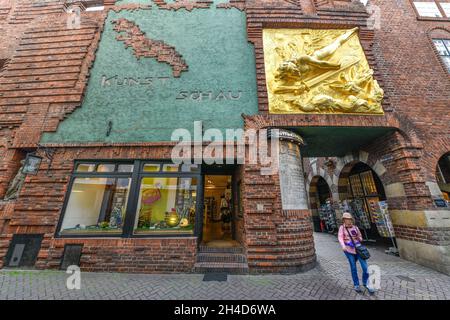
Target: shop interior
{"x": 217, "y": 212}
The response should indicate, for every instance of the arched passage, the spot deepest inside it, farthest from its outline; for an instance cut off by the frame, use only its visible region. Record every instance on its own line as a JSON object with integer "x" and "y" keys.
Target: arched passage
{"x": 319, "y": 194}
{"x": 443, "y": 177}
{"x": 361, "y": 192}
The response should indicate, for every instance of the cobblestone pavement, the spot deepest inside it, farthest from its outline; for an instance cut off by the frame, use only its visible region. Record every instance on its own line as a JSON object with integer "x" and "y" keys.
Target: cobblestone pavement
{"x": 331, "y": 279}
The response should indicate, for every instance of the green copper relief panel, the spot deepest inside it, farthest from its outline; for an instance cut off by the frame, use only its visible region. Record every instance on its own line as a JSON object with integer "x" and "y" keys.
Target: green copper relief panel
{"x": 135, "y": 97}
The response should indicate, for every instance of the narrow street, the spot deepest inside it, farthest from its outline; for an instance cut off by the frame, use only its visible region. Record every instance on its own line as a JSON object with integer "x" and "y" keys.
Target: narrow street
{"x": 331, "y": 279}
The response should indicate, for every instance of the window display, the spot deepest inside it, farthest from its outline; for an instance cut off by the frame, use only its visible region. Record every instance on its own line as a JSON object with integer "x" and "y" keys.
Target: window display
{"x": 166, "y": 205}
{"x": 96, "y": 205}
{"x": 137, "y": 198}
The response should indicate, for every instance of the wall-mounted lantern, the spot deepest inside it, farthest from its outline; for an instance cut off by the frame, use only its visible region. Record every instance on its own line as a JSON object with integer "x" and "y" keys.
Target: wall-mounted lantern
{"x": 32, "y": 164}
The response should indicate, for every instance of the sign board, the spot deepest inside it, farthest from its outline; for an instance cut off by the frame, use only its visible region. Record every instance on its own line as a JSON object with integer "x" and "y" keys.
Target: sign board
{"x": 292, "y": 180}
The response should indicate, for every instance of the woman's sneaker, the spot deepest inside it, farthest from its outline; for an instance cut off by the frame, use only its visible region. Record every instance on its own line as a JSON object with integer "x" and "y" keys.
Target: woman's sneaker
{"x": 358, "y": 289}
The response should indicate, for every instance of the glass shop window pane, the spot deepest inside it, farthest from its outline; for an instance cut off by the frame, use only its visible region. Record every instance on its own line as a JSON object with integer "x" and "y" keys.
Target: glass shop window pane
{"x": 190, "y": 168}
{"x": 166, "y": 205}
{"x": 125, "y": 168}
{"x": 170, "y": 167}
{"x": 428, "y": 9}
{"x": 86, "y": 167}
{"x": 151, "y": 167}
{"x": 96, "y": 205}
{"x": 369, "y": 183}
{"x": 106, "y": 168}
{"x": 356, "y": 186}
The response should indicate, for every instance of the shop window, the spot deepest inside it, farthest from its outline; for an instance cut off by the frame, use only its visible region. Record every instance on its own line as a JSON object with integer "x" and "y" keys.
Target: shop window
{"x": 443, "y": 47}
{"x": 96, "y": 204}
{"x": 166, "y": 205}
{"x": 105, "y": 199}
{"x": 432, "y": 9}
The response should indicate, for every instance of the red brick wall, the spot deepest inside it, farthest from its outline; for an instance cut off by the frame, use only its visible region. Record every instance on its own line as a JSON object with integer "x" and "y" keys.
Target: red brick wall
{"x": 39, "y": 206}
{"x": 124, "y": 255}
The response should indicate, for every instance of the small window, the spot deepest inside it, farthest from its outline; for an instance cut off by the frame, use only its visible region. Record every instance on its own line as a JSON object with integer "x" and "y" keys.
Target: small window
{"x": 125, "y": 168}
{"x": 106, "y": 168}
{"x": 443, "y": 47}
{"x": 170, "y": 167}
{"x": 190, "y": 168}
{"x": 151, "y": 167}
{"x": 86, "y": 167}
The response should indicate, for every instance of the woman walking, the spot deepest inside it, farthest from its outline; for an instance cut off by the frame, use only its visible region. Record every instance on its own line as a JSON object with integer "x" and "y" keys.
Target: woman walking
{"x": 350, "y": 237}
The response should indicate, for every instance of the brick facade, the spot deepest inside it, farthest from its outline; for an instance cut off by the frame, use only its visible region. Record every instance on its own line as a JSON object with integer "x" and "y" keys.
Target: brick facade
{"x": 44, "y": 80}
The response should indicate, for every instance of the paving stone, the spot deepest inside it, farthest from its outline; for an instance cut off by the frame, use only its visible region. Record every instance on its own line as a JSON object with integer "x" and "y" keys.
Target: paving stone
{"x": 330, "y": 280}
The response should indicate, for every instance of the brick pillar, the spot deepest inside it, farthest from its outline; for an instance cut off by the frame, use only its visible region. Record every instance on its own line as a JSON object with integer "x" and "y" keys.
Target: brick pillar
{"x": 278, "y": 226}
{"x": 422, "y": 229}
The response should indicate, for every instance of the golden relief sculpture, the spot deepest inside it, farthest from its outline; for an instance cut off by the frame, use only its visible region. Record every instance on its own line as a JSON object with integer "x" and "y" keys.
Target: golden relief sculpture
{"x": 319, "y": 71}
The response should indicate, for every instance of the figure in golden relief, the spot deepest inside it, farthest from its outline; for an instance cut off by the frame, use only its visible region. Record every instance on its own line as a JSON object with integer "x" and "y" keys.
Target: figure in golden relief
{"x": 319, "y": 71}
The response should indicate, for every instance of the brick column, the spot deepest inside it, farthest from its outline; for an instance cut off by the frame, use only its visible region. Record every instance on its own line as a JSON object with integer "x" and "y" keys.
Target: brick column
{"x": 278, "y": 227}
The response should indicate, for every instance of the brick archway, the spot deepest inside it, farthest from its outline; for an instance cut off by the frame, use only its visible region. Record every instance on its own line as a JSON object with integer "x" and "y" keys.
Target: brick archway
{"x": 314, "y": 198}
{"x": 312, "y": 191}
{"x": 343, "y": 175}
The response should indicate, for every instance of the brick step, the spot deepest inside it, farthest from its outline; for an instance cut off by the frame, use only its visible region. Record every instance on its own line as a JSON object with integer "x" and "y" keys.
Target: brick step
{"x": 206, "y": 249}
{"x": 221, "y": 267}
{"x": 283, "y": 250}
{"x": 221, "y": 257}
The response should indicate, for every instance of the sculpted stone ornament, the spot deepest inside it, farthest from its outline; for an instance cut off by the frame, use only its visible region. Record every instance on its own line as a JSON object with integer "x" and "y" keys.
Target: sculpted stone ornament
{"x": 319, "y": 71}
{"x": 16, "y": 184}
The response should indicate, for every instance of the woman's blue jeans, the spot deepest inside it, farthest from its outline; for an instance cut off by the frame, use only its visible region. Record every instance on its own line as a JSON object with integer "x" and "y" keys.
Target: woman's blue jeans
{"x": 352, "y": 259}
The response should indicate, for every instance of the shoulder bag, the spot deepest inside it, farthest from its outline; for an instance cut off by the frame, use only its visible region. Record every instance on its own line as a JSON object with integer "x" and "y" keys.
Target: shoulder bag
{"x": 361, "y": 250}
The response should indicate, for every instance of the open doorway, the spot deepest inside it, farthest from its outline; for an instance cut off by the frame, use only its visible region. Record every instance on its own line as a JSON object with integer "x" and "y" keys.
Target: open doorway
{"x": 320, "y": 197}
{"x": 218, "y": 211}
